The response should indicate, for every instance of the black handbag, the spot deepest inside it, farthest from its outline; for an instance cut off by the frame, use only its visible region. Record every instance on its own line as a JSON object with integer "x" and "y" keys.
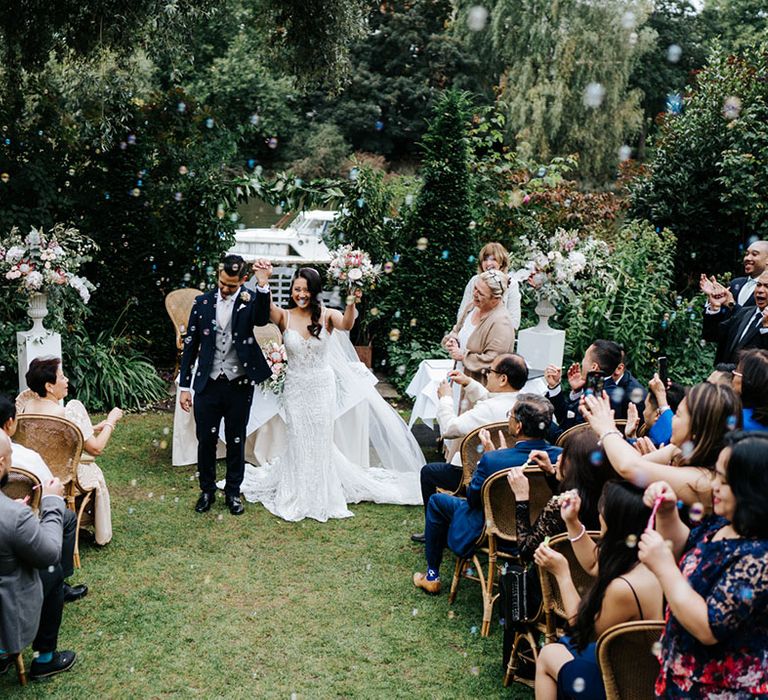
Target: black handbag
{"x": 520, "y": 593}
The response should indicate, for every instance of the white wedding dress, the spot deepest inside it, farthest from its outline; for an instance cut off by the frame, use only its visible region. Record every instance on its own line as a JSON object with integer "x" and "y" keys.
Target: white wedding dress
{"x": 313, "y": 479}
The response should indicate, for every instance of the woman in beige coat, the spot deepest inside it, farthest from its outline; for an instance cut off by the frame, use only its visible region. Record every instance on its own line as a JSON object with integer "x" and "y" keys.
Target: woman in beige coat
{"x": 484, "y": 331}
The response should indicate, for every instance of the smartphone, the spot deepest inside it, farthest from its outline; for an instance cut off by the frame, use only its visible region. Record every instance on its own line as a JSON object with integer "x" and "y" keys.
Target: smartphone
{"x": 663, "y": 374}
{"x": 595, "y": 382}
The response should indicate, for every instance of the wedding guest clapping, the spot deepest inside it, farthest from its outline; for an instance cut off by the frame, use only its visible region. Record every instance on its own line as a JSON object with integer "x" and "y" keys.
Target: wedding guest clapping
{"x": 715, "y": 643}
{"x": 484, "y": 330}
{"x": 494, "y": 256}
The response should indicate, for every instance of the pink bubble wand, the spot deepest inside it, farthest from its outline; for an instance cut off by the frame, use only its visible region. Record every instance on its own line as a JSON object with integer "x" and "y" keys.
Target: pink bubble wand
{"x": 656, "y": 503}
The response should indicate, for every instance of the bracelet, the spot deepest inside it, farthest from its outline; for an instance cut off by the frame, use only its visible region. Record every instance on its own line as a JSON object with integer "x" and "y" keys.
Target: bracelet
{"x": 110, "y": 425}
{"x": 580, "y": 535}
{"x": 607, "y": 433}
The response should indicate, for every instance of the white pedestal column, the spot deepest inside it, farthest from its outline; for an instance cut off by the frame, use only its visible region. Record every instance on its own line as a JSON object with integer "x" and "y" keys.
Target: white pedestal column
{"x": 542, "y": 345}
{"x": 38, "y": 341}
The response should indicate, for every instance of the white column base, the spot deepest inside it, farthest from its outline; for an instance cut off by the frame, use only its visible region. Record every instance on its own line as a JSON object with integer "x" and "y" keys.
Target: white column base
{"x": 32, "y": 344}
{"x": 541, "y": 347}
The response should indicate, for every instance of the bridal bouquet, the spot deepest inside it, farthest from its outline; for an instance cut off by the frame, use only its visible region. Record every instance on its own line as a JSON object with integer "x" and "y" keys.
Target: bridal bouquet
{"x": 45, "y": 262}
{"x": 557, "y": 267}
{"x": 277, "y": 360}
{"x": 353, "y": 267}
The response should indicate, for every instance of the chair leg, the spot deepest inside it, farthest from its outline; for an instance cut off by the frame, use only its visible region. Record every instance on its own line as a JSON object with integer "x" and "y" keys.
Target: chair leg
{"x": 21, "y": 670}
{"x": 76, "y": 555}
{"x": 512, "y": 663}
{"x": 488, "y": 597}
{"x": 455, "y": 581}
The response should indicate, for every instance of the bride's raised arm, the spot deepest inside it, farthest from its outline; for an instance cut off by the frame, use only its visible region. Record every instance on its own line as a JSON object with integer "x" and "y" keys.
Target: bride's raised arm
{"x": 345, "y": 321}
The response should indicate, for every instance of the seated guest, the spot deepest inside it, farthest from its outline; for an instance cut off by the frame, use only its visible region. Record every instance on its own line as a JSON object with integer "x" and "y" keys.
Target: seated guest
{"x": 46, "y": 379}
{"x": 494, "y": 256}
{"x": 741, "y": 291}
{"x": 31, "y": 461}
{"x": 506, "y": 376}
{"x": 31, "y": 582}
{"x": 736, "y": 328}
{"x": 484, "y": 331}
{"x": 750, "y": 380}
{"x": 625, "y": 590}
{"x": 457, "y": 522}
{"x": 602, "y": 356}
{"x": 722, "y": 374}
{"x": 581, "y": 470}
{"x": 699, "y": 428}
{"x": 715, "y": 643}
{"x": 661, "y": 403}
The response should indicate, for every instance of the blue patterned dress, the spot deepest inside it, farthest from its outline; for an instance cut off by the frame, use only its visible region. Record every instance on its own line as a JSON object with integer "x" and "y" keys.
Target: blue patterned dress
{"x": 732, "y": 576}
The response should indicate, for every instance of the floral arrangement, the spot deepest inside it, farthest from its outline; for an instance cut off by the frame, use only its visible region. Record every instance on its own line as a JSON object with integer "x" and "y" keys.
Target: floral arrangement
{"x": 277, "y": 359}
{"x": 45, "y": 262}
{"x": 353, "y": 267}
{"x": 558, "y": 267}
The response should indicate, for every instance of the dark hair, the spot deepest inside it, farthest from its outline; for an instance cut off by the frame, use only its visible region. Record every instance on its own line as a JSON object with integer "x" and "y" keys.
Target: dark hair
{"x": 747, "y": 475}
{"x": 753, "y": 366}
{"x": 234, "y": 266}
{"x": 586, "y": 468}
{"x": 625, "y": 515}
{"x": 7, "y": 409}
{"x": 42, "y": 371}
{"x": 715, "y": 409}
{"x": 514, "y": 368}
{"x": 315, "y": 286}
{"x": 675, "y": 394}
{"x": 534, "y": 413}
{"x": 608, "y": 355}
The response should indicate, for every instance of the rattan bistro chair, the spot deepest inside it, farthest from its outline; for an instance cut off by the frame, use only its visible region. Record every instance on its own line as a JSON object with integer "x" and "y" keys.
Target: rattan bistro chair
{"x": 580, "y": 427}
{"x": 22, "y": 484}
{"x": 471, "y": 451}
{"x": 60, "y": 443}
{"x": 178, "y": 304}
{"x": 627, "y": 660}
{"x": 552, "y": 600}
{"x": 269, "y": 333}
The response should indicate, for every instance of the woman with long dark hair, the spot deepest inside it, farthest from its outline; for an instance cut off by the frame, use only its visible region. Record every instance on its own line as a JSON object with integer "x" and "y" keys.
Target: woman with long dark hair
{"x": 624, "y": 590}
{"x": 313, "y": 479}
{"x": 750, "y": 381}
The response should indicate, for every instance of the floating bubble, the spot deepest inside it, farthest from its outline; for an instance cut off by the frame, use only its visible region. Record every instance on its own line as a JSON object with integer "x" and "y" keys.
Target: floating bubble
{"x": 674, "y": 103}
{"x": 680, "y": 504}
{"x": 674, "y": 53}
{"x": 412, "y": 322}
{"x": 477, "y": 18}
{"x": 451, "y": 614}
{"x": 696, "y": 512}
{"x": 731, "y": 422}
{"x": 394, "y": 335}
{"x": 135, "y": 192}
{"x": 219, "y": 517}
{"x": 353, "y": 173}
{"x": 628, "y": 20}
{"x": 475, "y": 671}
{"x": 254, "y": 119}
{"x": 656, "y": 649}
{"x": 687, "y": 448}
{"x": 593, "y": 95}
{"x": 374, "y": 311}
{"x": 444, "y": 255}
{"x": 480, "y": 448}
{"x": 272, "y": 143}
{"x": 401, "y": 370}
{"x": 378, "y": 125}
{"x": 631, "y": 541}
{"x": 473, "y": 630}
{"x": 360, "y": 202}
{"x": 178, "y": 196}
{"x": 388, "y": 267}
{"x": 210, "y": 122}
{"x": 422, "y": 243}
{"x": 732, "y": 107}
{"x": 625, "y": 153}
{"x": 181, "y": 107}
{"x": 133, "y": 482}
{"x": 578, "y": 685}
{"x": 131, "y": 139}
{"x": 637, "y": 395}
{"x": 415, "y": 612}
{"x": 746, "y": 594}
{"x": 5, "y": 177}
{"x": 409, "y": 199}
{"x": 596, "y": 458}
{"x": 130, "y": 511}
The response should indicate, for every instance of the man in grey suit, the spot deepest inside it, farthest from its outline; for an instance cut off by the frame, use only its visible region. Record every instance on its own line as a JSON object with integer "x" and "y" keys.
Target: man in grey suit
{"x": 31, "y": 578}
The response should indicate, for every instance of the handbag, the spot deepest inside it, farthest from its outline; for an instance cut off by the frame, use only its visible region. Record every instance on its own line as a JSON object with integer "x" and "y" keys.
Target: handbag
{"x": 520, "y": 593}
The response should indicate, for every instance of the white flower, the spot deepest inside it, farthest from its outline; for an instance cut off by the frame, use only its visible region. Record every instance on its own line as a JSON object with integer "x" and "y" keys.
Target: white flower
{"x": 14, "y": 254}
{"x": 355, "y": 274}
{"x": 34, "y": 280}
{"x": 13, "y": 274}
{"x": 33, "y": 237}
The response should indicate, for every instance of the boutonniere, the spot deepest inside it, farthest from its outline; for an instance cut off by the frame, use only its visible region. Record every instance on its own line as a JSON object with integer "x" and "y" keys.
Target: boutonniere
{"x": 245, "y": 297}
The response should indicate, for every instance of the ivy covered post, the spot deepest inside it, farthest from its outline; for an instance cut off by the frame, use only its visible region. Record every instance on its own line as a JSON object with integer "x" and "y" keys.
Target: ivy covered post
{"x": 439, "y": 241}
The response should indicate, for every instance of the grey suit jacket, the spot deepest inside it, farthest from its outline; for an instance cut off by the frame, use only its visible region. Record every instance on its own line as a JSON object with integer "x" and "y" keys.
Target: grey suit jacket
{"x": 26, "y": 545}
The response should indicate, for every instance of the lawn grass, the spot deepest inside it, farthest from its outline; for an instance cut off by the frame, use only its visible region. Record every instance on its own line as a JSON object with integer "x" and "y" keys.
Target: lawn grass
{"x": 210, "y": 606}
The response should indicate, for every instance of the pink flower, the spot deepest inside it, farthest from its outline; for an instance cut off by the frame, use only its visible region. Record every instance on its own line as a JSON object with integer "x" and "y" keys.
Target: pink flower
{"x": 526, "y": 199}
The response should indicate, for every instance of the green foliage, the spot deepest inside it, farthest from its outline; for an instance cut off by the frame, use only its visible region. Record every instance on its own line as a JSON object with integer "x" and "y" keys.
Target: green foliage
{"x": 405, "y": 358}
{"x": 551, "y": 53}
{"x": 640, "y": 310}
{"x": 326, "y": 153}
{"x": 107, "y": 371}
{"x": 736, "y": 24}
{"x": 432, "y": 272}
{"x": 707, "y": 176}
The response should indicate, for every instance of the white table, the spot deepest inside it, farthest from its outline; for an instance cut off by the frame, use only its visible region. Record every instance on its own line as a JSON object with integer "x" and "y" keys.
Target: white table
{"x": 423, "y": 389}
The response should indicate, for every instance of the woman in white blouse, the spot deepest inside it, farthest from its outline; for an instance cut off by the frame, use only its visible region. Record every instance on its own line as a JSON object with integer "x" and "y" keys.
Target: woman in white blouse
{"x": 494, "y": 256}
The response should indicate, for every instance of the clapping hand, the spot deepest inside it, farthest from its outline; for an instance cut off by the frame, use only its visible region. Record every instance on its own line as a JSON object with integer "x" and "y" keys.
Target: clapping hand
{"x": 487, "y": 443}
{"x": 598, "y": 413}
{"x": 518, "y": 482}
{"x": 553, "y": 376}
{"x": 575, "y": 379}
{"x": 633, "y": 421}
{"x": 717, "y": 294}
{"x": 644, "y": 445}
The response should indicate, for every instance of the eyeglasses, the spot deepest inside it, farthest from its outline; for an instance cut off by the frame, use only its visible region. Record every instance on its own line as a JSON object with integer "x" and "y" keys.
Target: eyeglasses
{"x": 485, "y": 371}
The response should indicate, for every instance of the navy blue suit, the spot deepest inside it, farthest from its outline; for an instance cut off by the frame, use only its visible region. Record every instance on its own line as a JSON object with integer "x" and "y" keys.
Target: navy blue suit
{"x": 221, "y": 398}
{"x": 726, "y": 328}
{"x": 457, "y": 522}
{"x": 735, "y": 287}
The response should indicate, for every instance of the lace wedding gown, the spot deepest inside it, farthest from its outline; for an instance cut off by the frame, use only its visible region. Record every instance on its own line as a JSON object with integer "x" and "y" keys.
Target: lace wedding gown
{"x": 313, "y": 479}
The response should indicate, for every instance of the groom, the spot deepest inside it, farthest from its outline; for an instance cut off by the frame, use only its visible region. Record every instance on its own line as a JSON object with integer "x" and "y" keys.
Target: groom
{"x": 229, "y": 364}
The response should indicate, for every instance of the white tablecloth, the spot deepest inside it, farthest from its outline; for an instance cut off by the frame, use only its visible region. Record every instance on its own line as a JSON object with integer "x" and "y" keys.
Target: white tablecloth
{"x": 423, "y": 389}
{"x": 266, "y": 433}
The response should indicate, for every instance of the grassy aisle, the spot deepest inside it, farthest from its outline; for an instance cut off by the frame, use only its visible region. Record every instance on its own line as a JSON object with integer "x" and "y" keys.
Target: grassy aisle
{"x": 215, "y": 606}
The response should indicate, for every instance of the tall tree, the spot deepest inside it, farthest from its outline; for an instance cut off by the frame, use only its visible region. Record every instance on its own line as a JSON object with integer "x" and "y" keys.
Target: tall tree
{"x": 565, "y": 84}
{"x": 736, "y": 24}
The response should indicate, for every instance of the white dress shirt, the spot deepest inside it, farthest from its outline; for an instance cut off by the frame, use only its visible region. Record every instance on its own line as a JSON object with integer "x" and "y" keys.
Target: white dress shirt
{"x": 746, "y": 291}
{"x": 24, "y": 458}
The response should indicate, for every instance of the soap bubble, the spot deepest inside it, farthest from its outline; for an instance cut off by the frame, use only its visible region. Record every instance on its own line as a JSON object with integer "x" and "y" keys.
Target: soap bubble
{"x": 631, "y": 541}
{"x": 388, "y": 267}
{"x": 674, "y": 53}
{"x": 596, "y": 458}
{"x": 656, "y": 648}
{"x": 687, "y": 449}
{"x": 674, "y": 103}
{"x": 181, "y": 107}
{"x": 477, "y": 18}
{"x": 415, "y": 612}
{"x": 731, "y": 107}
{"x": 378, "y": 125}
{"x": 272, "y": 143}
{"x": 394, "y": 335}
{"x": 593, "y": 95}
{"x": 473, "y": 630}
{"x": 5, "y": 177}
{"x": 696, "y": 512}
{"x": 254, "y": 119}
{"x": 578, "y": 685}
{"x": 210, "y": 122}
{"x": 625, "y": 152}
{"x": 475, "y": 671}
{"x": 637, "y": 395}
{"x": 183, "y": 170}
{"x": 628, "y": 20}
{"x": 422, "y": 243}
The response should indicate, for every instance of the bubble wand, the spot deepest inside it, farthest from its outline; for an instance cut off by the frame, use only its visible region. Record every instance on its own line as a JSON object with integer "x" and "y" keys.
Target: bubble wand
{"x": 656, "y": 503}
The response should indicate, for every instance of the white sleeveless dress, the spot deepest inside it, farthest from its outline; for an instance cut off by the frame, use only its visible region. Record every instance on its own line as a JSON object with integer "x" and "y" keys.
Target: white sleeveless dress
{"x": 313, "y": 479}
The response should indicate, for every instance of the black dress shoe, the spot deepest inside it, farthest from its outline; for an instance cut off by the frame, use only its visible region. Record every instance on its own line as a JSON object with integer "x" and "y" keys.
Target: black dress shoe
{"x": 72, "y": 593}
{"x": 205, "y": 502}
{"x": 418, "y": 537}
{"x": 61, "y": 661}
{"x": 235, "y": 505}
{"x": 5, "y": 663}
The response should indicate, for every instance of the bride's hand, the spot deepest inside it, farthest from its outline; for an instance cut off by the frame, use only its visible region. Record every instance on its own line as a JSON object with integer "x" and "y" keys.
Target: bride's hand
{"x": 355, "y": 296}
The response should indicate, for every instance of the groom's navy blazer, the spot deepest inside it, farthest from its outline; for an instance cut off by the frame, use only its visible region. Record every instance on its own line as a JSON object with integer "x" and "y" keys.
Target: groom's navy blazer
{"x": 200, "y": 340}
{"x": 469, "y": 518}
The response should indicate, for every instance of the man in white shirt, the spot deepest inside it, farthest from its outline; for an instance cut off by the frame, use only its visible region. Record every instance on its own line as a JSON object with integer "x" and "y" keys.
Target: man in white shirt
{"x": 741, "y": 290}
{"x": 30, "y": 460}
{"x": 506, "y": 376}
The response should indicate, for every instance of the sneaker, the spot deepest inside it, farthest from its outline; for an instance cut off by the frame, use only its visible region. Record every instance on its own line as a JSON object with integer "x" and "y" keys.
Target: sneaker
{"x": 61, "y": 661}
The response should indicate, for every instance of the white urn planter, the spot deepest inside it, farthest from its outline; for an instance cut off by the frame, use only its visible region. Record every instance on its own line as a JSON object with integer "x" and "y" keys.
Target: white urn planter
{"x": 542, "y": 345}
{"x": 38, "y": 341}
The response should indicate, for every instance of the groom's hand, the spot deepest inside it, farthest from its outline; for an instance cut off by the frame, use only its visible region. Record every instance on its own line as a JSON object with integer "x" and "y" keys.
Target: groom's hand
{"x": 185, "y": 400}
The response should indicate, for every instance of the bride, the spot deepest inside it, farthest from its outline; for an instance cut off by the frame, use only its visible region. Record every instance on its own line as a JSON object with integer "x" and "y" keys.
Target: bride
{"x": 313, "y": 479}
